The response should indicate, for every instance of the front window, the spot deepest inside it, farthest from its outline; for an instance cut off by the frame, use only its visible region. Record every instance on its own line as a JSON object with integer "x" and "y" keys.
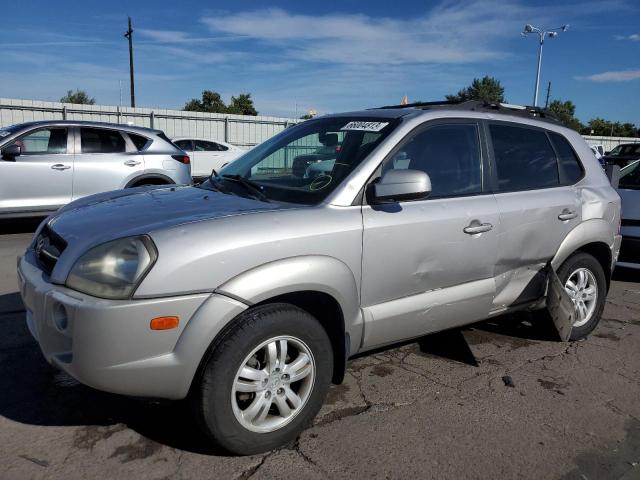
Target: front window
{"x": 43, "y": 141}
{"x": 304, "y": 163}
{"x": 630, "y": 177}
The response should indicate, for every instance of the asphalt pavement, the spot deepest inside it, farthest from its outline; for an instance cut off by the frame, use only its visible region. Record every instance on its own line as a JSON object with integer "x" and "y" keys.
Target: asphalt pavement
{"x": 501, "y": 399}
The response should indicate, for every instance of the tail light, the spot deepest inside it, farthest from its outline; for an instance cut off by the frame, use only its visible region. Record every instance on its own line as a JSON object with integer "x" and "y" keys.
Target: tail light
{"x": 182, "y": 159}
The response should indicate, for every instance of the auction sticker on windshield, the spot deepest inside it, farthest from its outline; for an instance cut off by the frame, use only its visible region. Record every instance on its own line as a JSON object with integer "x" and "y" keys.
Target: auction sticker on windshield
{"x": 365, "y": 126}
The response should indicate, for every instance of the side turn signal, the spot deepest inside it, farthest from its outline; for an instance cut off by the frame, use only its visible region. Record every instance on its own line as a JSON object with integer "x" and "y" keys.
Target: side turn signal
{"x": 164, "y": 323}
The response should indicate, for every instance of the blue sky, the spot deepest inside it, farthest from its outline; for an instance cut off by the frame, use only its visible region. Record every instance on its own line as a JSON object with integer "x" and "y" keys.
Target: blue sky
{"x": 329, "y": 56}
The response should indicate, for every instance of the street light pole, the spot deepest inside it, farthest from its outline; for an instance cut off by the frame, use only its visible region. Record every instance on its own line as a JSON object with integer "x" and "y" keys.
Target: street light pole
{"x": 129, "y": 35}
{"x": 528, "y": 28}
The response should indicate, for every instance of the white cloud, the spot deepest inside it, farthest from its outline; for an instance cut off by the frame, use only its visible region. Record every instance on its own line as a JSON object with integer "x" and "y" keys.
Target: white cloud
{"x": 634, "y": 37}
{"x": 453, "y": 32}
{"x": 613, "y": 76}
{"x": 460, "y": 32}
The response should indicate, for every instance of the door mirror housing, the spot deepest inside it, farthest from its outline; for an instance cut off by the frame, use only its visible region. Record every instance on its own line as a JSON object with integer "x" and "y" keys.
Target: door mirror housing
{"x": 11, "y": 152}
{"x": 402, "y": 185}
{"x": 613, "y": 174}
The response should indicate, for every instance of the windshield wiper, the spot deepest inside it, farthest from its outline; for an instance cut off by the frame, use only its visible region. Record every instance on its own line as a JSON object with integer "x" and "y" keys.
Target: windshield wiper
{"x": 250, "y": 186}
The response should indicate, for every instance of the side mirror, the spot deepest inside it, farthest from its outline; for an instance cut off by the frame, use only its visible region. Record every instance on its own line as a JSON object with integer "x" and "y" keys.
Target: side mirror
{"x": 607, "y": 152}
{"x": 399, "y": 185}
{"x": 11, "y": 152}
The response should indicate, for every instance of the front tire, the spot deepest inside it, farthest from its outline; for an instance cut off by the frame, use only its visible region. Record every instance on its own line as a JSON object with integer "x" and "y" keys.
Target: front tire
{"x": 585, "y": 282}
{"x": 264, "y": 380}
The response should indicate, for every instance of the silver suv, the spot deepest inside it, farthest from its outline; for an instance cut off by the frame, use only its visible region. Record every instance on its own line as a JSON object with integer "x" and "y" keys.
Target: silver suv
{"x": 47, "y": 164}
{"x": 249, "y": 292}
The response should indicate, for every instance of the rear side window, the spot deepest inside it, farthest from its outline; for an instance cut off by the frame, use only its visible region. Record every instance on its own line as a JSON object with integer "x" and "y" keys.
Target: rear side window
{"x": 524, "y": 158}
{"x": 98, "y": 140}
{"x": 138, "y": 140}
{"x": 569, "y": 163}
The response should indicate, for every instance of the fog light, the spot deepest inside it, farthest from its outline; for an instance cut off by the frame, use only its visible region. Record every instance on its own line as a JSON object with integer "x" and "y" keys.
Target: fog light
{"x": 164, "y": 323}
{"x": 60, "y": 318}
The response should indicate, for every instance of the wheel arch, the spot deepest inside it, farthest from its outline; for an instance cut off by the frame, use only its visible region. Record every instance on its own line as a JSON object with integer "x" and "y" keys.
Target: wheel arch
{"x": 152, "y": 178}
{"x": 323, "y": 286}
{"x": 595, "y": 237}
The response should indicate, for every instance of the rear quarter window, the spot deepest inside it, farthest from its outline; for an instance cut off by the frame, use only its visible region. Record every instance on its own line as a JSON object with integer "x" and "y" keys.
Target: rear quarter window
{"x": 138, "y": 140}
{"x": 570, "y": 165}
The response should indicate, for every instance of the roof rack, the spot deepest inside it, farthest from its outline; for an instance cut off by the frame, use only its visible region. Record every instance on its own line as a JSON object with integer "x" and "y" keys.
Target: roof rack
{"x": 482, "y": 106}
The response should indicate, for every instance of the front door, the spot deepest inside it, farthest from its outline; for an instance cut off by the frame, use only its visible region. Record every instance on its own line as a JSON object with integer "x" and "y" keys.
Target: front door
{"x": 429, "y": 264}
{"x": 40, "y": 178}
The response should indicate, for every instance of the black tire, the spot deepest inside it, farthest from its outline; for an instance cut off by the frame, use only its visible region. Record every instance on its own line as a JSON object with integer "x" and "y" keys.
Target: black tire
{"x": 211, "y": 394}
{"x": 584, "y": 260}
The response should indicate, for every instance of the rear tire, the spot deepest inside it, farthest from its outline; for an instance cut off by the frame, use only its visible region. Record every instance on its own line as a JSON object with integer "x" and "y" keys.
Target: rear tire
{"x": 585, "y": 281}
{"x": 264, "y": 380}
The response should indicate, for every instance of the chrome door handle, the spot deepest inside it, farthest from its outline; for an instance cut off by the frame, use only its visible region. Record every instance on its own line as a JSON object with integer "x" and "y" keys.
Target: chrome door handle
{"x": 60, "y": 166}
{"x": 476, "y": 227}
{"x": 567, "y": 215}
{"x": 131, "y": 163}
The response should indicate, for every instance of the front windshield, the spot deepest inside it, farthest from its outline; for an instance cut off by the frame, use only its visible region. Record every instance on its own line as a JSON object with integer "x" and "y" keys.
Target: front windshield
{"x": 630, "y": 177}
{"x": 306, "y": 162}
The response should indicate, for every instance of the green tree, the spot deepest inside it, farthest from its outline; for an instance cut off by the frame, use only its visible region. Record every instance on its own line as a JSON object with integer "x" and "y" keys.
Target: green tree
{"x": 79, "y": 96}
{"x": 211, "y": 102}
{"x": 565, "y": 112}
{"x": 242, "y": 105}
{"x": 487, "y": 89}
{"x": 601, "y": 127}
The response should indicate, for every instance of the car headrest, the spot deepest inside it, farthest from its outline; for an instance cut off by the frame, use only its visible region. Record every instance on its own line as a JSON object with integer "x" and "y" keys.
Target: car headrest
{"x": 329, "y": 139}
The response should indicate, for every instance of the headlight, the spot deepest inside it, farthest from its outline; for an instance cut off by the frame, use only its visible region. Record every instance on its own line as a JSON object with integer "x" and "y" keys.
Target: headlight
{"x": 113, "y": 269}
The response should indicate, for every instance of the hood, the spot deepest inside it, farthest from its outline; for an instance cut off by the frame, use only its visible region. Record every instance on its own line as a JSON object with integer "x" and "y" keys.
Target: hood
{"x": 97, "y": 219}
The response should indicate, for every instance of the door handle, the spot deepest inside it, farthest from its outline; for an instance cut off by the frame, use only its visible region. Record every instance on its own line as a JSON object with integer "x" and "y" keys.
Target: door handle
{"x": 60, "y": 166}
{"x": 131, "y": 163}
{"x": 477, "y": 227}
{"x": 567, "y": 215}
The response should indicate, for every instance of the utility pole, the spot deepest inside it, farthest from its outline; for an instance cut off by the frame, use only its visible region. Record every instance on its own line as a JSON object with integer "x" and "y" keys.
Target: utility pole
{"x": 129, "y": 36}
{"x": 546, "y": 103}
{"x": 542, "y": 33}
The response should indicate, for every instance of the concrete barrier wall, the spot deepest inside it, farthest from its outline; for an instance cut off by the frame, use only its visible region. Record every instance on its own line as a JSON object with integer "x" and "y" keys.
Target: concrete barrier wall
{"x": 239, "y": 130}
{"x": 609, "y": 142}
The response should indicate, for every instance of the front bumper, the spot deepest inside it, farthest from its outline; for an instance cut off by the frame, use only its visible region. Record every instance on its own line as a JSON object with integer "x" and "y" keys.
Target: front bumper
{"x": 108, "y": 344}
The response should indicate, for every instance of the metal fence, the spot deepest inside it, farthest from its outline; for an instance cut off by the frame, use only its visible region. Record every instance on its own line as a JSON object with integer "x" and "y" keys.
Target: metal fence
{"x": 239, "y": 130}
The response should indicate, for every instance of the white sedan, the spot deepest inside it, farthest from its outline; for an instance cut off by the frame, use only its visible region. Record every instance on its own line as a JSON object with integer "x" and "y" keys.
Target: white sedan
{"x": 207, "y": 154}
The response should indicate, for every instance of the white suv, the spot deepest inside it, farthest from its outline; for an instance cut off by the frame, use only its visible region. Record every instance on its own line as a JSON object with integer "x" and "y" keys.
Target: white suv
{"x": 45, "y": 165}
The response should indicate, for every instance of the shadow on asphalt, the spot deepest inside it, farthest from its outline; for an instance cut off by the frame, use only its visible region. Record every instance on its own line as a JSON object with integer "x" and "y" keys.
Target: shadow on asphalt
{"x": 35, "y": 393}
{"x": 19, "y": 225}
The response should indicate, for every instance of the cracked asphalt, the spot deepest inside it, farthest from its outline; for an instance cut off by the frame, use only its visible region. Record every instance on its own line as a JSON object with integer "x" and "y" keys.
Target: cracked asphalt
{"x": 501, "y": 399}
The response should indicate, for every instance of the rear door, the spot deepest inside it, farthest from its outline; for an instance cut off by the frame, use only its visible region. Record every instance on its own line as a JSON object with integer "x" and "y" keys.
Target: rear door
{"x": 106, "y": 159}
{"x": 538, "y": 204}
{"x": 40, "y": 178}
{"x": 429, "y": 264}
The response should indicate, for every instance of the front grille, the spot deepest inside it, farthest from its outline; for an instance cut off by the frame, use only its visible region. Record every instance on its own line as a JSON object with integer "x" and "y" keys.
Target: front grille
{"x": 630, "y": 250}
{"x": 48, "y": 248}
